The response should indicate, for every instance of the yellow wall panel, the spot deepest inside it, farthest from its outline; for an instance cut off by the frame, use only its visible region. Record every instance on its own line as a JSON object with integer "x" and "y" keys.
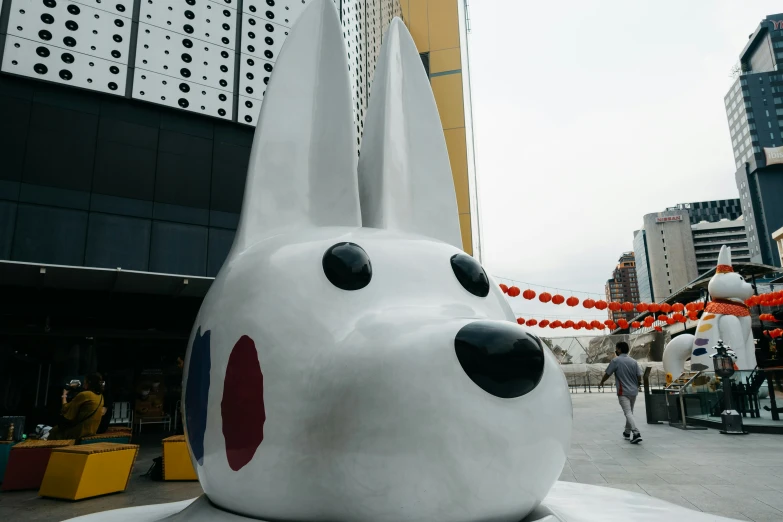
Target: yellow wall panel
{"x": 467, "y": 237}
{"x": 404, "y": 5}
{"x": 418, "y": 24}
{"x": 444, "y": 24}
{"x": 448, "y": 96}
{"x": 458, "y": 156}
{"x": 445, "y": 60}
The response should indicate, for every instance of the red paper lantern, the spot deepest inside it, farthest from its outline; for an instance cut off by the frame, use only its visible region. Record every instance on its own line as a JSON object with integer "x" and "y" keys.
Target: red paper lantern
{"x": 693, "y": 316}
{"x": 666, "y": 308}
{"x": 600, "y": 327}
{"x": 520, "y": 320}
{"x": 504, "y": 288}
{"x": 654, "y": 308}
{"x": 544, "y": 323}
{"x": 557, "y": 324}
{"x": 588, "y": 303}
{"x": 670, "y": 320}
{"x": 623, "y": 324}
{"x": 558, "y": 299}
{"x": 614, "y": 306}
{"x": 577, "y": 327}
{"x": 568, "y": 324}
{"x": 642, "y": 307}
{"x": 636, "y": 325}
{"x": 514, "y": 291}
{"x": 678, "y": 317}
{"x": 595, "y": 323}
{"x": 766, "y": 333}
{"x": 588, "y": 327}
{"x": 648, "y": 321}
{"x": 545, "y": 297}
{"x": 608, "y": 322}
{"x": 572, "y": 301}
{"x": 531, "y": 322}
{"x": 658, "y": 329}
{"x": 678, "y": 307}
{"x": 528, "y": 294}
{"x": 627, "y": 307}
{"x": 662, "y": 317}
{"x": 601, "y": 305}
{"x": 582, "y": 324}
{"x": 777, "y": 332}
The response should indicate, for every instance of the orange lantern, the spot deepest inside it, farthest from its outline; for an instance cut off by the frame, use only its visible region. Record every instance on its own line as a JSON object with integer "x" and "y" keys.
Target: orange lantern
{"x": 636, "y": 325}
{"x": 670, "y": 320}
{"x": 572, "y": 301}
{"x": 642, "y": 307}
{"x": 514, "y": 291}
{"x": 614, "y": 306}
{"x": 557, "y": 324}
{"x": 678, "y": 307}
{"x": 504, "y": 288}
{"x": 520, "y": 320}
{"x": 627, "y": 307}
{"x": 601, "y": 305}
{"x": 666, "y": 308}
{"x": 558, "y": 299}
{"x": 568, "y": 324}
{"x": 693, "y": 316}
{"x": 577, "y": 327}
{"x": 544, "y": 323}
{"x": 582, "y": 324}
{"x": 699, "y": 306}
{"x": 600, "y": 327}
{"x": 588, "y": 327}
{"x": 654, "y": 308}
{"x": 608, "y": 322}
{"x": 662, "y": 317}
{"x": 595, "y": 324}
{"x": 648, "y": 321}
{"x": 623, "y": 324}
{"x": 531, "y": 322}
{"x": 528, "y": 294}
{"x": 545, "y": 297}
{"x": 588, "y": 303}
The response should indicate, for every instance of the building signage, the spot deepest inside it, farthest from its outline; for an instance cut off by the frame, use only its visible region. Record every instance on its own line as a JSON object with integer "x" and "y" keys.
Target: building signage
{"x": 666, "y": 219}
{"x": 778, "y": 24}
{"x": 774, "y": 156}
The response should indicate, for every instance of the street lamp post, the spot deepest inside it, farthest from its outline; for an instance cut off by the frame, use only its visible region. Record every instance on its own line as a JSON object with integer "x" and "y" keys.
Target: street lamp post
{"x": 723, "y": 362}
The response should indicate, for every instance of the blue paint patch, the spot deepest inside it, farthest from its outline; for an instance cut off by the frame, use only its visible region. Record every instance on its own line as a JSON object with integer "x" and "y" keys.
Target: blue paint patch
{"x": 197, "y": 394}
{"x": 700, "y": 351}
{"x": 701, "y": 342}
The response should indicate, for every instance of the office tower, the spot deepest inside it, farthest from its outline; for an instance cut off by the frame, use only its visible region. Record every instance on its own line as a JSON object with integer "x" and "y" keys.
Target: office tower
{"x": 622, "y": 287}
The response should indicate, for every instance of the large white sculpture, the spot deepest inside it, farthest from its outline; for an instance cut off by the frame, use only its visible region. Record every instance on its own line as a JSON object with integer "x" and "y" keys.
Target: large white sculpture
{"x": 350, "y": 363}
{"x": 726, "y": 317}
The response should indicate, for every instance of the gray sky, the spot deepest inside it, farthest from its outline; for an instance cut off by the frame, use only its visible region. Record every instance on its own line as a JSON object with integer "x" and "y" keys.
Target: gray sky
{"x": 589, "y": 115}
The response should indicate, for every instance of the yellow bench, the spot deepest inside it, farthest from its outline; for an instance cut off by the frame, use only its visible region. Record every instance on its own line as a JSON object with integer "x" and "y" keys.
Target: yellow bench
{"x": 176, "y": 460}
{"x": 78, "y": 472}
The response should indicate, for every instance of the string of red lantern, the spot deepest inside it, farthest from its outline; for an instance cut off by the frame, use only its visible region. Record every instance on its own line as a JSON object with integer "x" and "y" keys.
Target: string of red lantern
{"x": 649, "y": 322}
{"x": 774, "y": 334}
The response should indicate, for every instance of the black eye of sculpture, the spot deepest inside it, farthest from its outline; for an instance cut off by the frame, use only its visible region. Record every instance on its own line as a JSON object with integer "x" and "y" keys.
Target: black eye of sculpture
{"x": 347, "y": 266}
{"x": 470, "y": 274}
{"x": 500, "y": 358}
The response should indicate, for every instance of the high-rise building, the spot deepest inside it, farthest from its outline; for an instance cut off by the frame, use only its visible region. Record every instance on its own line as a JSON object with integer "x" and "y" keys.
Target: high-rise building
{"x": 754, "y": 106}
{"x": 668, "y": 258}
{"x": 711, "y": 211}
{"x": 708, "y": 238}
{"x": 622, "y": 287}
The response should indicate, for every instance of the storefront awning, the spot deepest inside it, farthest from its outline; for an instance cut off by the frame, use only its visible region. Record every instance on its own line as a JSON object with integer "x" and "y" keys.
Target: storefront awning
{"x": 61, "y": 277}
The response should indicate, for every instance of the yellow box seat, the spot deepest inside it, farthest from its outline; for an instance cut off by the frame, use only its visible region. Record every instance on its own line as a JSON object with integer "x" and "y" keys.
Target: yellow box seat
{"x": 78, "y": 472}
{"x": 176, "y": 460}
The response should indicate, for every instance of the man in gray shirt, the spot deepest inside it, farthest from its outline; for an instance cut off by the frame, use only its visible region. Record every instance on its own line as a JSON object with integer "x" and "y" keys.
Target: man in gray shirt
{"x": 627, "y": 376}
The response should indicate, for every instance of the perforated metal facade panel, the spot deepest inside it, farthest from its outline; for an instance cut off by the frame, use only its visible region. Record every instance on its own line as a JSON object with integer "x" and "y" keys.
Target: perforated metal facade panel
{"x": 212, "y": 57}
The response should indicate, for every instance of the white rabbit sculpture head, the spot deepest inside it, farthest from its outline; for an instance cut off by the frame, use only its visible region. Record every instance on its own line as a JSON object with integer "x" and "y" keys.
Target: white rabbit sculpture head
{"x": 350, "y": 362}
{"x": 727, "y": 284}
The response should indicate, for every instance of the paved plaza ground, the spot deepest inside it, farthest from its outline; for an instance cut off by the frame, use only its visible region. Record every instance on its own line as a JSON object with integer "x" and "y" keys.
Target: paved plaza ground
{"x": 737, "y": 477}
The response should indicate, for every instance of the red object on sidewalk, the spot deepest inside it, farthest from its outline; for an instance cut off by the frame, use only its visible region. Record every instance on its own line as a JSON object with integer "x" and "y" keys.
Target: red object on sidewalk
{"x": 27, "y": 463}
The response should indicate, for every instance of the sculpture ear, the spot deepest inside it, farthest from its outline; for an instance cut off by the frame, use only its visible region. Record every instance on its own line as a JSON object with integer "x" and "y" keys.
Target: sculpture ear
{"x": 302, "y": 169}
{"x": 405, "y": 180}
{"x": 724, "y": 257}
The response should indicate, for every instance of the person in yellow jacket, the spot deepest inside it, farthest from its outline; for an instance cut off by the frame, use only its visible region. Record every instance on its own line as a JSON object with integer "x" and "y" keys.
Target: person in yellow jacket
{"x": 82, "y": 416}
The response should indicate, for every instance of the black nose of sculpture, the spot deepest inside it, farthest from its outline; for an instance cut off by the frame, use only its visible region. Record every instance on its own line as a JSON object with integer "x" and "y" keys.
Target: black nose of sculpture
{"x": 500, "y": 357}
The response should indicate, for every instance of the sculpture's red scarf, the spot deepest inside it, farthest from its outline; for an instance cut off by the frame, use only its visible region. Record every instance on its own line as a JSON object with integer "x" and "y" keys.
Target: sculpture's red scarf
{"x": 727, "y": 307}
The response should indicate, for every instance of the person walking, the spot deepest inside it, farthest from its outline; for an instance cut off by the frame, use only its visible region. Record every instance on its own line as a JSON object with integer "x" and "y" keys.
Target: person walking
{"x": 627, "y": 375}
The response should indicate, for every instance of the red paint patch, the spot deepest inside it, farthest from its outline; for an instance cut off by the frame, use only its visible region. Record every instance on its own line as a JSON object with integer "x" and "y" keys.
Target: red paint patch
{"x": 242, "y": 407}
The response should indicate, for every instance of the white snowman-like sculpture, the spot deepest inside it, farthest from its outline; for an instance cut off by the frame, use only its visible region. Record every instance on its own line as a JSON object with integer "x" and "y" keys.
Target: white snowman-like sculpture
{"x": 726, "y": 318}
{"x": 350, "y": 361}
